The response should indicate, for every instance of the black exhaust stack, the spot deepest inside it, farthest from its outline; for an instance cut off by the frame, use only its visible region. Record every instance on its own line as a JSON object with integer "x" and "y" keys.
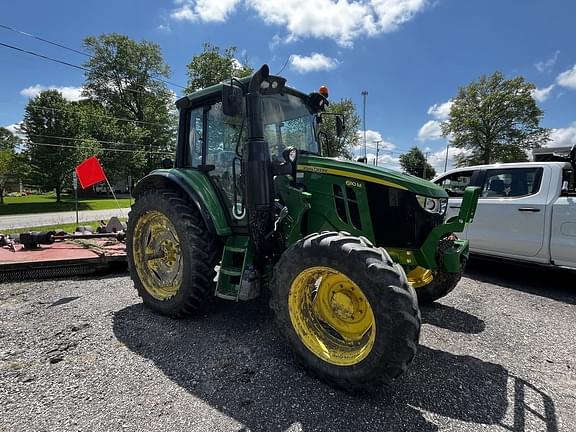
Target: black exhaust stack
{"x": 257, "y": 165}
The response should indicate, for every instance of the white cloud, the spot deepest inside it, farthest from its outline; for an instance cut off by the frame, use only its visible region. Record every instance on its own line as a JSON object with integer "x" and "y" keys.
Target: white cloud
{"x": 312, "y": 63}
{"x": 438, "y": 159}
{"x": 204, "y": 10}
{"x": 340, "y": 20}
{"x": 164, "y": 27}
{"x": 563, "y": 137}
{"x": 430, "y": 131}
{"x": 440, "y": 111}
{"x": 386, "y": 157}
{"x": 69, "y": 93}
{"x": 276, "y": 40}
{"x": 567, "y": 78}
{"x": 547, "y": 65}
{"x": 372, "y": 137}
{"x": 542, "y": 94}
{"x": 15, "y": 129}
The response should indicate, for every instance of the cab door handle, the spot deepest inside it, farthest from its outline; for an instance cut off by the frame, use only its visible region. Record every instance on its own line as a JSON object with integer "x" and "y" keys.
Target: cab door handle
{"x": 454, "y": 206}
{"x": 529, "y": 209}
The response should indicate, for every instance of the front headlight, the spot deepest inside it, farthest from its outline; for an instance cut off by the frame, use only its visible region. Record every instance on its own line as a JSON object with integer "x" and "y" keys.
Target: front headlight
{"x": 433, "y": 205}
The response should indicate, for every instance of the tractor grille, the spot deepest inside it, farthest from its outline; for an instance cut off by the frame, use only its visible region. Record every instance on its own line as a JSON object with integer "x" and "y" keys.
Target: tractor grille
{"x": 397, "y": 218}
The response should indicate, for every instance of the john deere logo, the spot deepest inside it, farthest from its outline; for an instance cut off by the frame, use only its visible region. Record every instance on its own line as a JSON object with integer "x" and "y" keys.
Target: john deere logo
{"x": 353, "y": 183}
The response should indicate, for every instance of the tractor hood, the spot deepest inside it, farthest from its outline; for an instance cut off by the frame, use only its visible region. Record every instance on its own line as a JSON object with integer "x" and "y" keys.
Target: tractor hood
{"x": 368, "y": 173}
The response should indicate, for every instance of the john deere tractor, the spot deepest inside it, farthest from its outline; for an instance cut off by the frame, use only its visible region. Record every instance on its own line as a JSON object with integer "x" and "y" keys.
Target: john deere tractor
{"x": 249, "y": 206}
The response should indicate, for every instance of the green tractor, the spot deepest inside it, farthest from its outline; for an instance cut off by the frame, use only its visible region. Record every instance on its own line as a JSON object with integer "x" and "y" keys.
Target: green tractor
{"x": 345, "y": 250}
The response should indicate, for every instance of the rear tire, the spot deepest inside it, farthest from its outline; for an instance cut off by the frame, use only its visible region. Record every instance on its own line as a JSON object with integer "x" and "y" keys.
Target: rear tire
{"x": 332, "y": 336}
{"x": 171, "y": 254}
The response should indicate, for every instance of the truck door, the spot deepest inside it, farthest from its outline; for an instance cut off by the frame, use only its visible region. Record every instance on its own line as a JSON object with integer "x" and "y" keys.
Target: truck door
{"x": 511, "y": 213}
{"x": 563, "y": 233}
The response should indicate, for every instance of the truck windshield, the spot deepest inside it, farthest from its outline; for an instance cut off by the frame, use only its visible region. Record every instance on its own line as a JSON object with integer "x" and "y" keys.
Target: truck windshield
{"x": 288, "y": 122}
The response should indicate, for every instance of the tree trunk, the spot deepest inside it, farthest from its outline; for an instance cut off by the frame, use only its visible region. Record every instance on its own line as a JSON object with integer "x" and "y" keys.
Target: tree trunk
{"x": 58, "y": 192}
{"x": 1, "y": 195}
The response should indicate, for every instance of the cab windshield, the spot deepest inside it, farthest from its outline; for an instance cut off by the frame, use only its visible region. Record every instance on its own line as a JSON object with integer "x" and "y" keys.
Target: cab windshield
{"x": 288, "y": 122}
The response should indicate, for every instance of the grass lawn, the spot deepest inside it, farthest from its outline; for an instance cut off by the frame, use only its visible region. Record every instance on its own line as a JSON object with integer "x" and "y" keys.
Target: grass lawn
{"x": 69, "y": 228}
{"x": 47, "y": 203}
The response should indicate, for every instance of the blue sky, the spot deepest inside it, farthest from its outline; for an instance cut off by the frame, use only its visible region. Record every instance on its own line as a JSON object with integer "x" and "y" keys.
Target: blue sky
{"x": 410, "y": 55}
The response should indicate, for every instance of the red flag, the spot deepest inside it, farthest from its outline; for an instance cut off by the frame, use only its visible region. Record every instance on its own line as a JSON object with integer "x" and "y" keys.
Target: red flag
{"x": 90, "y": 172}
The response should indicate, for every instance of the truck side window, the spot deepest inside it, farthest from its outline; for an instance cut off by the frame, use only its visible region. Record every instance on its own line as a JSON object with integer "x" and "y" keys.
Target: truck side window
{"x": 568, "y": 180}
{"x": 456, "y": 183}
{"x": 511, "y": 182}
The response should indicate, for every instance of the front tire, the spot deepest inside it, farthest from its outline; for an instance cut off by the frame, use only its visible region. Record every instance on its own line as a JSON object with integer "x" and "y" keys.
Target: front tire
{"x": 171, "y": 254}
{"x": 431, "y": 285}
{"x": 346, "y": 310}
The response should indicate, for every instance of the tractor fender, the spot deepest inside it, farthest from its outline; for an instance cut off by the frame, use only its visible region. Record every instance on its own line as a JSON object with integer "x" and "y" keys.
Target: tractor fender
{"x": 197, "y": 188}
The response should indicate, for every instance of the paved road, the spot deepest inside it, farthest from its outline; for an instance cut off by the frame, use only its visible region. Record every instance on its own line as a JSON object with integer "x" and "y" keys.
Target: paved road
{"x": 497, "y": 354}
{"x": 40, "y": 219}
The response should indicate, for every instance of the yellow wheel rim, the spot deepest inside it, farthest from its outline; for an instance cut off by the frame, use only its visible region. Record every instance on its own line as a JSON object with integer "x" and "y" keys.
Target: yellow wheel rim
{"x": 420, "y": 277}
{"x": 331, "y": 316}
{"x": 157, "y": 256}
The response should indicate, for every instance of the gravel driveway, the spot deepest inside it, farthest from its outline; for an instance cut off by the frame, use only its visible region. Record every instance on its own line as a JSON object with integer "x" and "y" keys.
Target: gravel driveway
{"x": 498, "y": 354}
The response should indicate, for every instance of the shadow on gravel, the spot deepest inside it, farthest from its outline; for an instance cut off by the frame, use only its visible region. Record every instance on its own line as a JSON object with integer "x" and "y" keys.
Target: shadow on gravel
{"x": 452, "y": 319}
{"x": 556, "y": 284}
{"x": 233, "y": 359}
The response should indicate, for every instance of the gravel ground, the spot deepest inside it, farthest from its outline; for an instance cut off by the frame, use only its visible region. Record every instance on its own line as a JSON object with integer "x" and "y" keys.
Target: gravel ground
{"x": 497, "y": 354}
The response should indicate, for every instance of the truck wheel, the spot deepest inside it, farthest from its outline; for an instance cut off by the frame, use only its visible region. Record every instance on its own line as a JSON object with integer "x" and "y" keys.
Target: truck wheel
{"x": 346, "y": 310}
{"x": 431, "y": 285}
{"x": 171, "y": 254}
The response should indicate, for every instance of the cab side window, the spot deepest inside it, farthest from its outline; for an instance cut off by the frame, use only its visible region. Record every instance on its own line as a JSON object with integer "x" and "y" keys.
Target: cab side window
{"x": 456, "y": 183}
{"x": 511, "y": 182}
{"x": 195, "y": 137}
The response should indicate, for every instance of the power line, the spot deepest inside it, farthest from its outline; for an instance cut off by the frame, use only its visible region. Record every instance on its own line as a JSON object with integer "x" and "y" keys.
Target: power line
{"x": 44, "y": 57}
{"x": 82, "y": 68}
{"x": 100, "y": 149}
{"x": 47, "y": 108}
{"x": 44, "y": 40}
{"x": 86, "y": 139}
{"x": 72, "y": 50}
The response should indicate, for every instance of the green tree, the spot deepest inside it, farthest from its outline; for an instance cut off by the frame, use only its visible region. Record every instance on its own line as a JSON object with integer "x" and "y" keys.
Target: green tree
{"x": 211, "y": 67}
{"x": 8, "y": 159}
{"x": 57, "y": 141}
{"x": 340, "y": 146}
{"x": 124, "y": 79}
{"x": 414, "y": 162}
{"x": 495, "y": 120}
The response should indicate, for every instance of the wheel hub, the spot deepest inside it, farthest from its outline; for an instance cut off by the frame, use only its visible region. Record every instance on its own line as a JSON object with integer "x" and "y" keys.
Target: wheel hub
{"x": 332, "y": 316}
{"x": 157, "y": 255}
{"x": 420, "y": 277}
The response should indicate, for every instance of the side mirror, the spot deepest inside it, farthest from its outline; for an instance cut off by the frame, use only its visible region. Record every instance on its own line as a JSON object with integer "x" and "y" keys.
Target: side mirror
{"x": 340, "y": 128}
{"x": 232, "y": 99}
{"x": 167, "y": 163}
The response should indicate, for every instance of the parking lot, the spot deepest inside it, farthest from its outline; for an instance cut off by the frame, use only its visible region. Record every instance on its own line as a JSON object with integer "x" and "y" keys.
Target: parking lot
{"x": 497, "y": 354}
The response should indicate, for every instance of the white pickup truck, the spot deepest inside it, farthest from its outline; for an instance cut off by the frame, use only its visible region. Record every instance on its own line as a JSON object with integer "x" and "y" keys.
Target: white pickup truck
{"x": 526, "y": 211}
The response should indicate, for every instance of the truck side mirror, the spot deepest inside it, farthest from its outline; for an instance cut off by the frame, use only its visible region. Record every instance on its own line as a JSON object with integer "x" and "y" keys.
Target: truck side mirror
{"x": 232, "y": 98}
{"x": 340, "y": 128}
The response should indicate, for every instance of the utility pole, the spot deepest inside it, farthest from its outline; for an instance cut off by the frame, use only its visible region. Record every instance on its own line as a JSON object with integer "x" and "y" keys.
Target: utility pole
{"x": 425, "y": 165}
{"x": 446, "y": 161}
{"x": 364, "y": 94}
{"x": 377, "y": 151}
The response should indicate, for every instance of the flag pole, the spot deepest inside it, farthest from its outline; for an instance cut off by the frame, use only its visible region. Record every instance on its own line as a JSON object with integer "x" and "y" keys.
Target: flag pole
{"x": 114, "y": 195}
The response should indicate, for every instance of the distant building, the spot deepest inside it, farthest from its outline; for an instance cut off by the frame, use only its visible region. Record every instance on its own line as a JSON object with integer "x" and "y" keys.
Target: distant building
{"x": 547, "y": 154}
